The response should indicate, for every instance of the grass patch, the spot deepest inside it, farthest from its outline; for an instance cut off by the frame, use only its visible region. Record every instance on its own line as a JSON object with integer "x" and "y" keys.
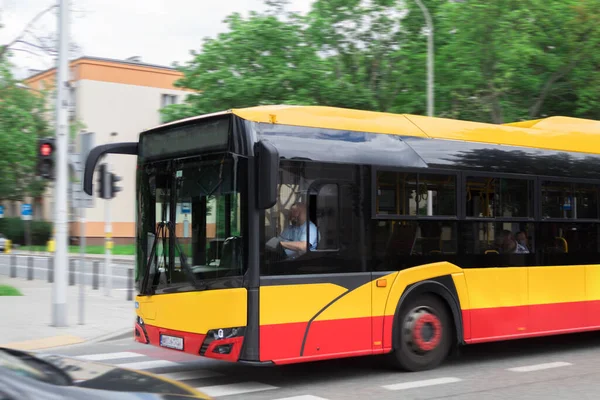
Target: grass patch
{"x": 119, "y": 250}
{"x": 6, "y": 290}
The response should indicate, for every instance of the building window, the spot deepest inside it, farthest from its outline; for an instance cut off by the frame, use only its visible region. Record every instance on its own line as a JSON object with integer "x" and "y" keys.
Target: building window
{"x": 168, "y": 99}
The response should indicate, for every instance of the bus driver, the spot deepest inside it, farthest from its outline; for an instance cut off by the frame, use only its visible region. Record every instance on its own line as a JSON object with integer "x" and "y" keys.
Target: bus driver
{"x": 293, "y": 237}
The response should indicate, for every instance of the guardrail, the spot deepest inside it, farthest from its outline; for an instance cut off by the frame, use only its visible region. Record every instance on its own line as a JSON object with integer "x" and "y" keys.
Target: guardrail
{"x": 13, "y": 263}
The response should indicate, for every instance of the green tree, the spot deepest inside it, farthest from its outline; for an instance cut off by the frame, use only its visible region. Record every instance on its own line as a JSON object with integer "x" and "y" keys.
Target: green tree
{"x": 495, "y": 61}
{"x": 264, "y": 59}
{"x": 510, "y": 60}
{"x": 21, "y": 123}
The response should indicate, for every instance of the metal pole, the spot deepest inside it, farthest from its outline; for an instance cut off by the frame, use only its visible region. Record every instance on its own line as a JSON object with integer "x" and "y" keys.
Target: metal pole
{"x": 59, "y": 293}
{"x": 30, "y": 268}
{"x": 50, "y": 269}
{"x": 129, "y": 284}
{"x": 430, "y": 54}
{"x": 72, "y": 272}
{"x": 107, "y": 243}
{"x": 81, "y": 265}
{"x": 13, "y": 266}
{"x": 95, "y": 277}
{"x": 430, "y": 80}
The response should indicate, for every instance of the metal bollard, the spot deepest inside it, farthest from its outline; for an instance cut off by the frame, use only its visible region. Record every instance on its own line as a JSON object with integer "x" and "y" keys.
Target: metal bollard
{"x": 129, "y": 284}
{"x": 95, "y": 277}
{"x": 71, "y": 272}
{"x": 29, "y": 268}
{"x": 50, "y": 269}
{"x": 13, "y": 266}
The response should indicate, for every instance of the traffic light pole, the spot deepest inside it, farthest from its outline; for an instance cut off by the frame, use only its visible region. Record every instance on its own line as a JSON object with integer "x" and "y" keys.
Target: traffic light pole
{"x": 59, "y": 293}
{"x": 107, "y": 238}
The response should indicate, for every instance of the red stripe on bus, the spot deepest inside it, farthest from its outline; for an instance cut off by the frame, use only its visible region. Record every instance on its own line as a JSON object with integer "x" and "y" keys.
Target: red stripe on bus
{"x": 505, "y": 323}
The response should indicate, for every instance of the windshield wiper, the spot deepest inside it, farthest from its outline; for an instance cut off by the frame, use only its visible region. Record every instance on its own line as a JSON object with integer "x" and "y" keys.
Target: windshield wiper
{"x": 187, "y": 268}
{"x": 161, "y": 234}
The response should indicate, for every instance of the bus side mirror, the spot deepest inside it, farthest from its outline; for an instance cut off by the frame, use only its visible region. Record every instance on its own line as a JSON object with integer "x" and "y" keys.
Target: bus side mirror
{"x": 267, "y": 174}
{"x": 97, "y": 152}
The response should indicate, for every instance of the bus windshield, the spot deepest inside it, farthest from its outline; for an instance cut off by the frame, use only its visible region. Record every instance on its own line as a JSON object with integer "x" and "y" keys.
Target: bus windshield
{"x": 190, "y": 223}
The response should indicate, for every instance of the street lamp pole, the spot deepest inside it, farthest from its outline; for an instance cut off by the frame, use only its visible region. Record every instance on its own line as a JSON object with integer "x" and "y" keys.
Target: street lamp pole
{"x": 429, "y": 22}
{"x": 61, "y": 258}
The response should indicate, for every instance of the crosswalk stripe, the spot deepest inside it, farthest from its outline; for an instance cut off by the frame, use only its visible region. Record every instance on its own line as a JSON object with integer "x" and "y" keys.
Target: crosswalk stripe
{"x": 539, "y": 367}
{"x": 419, "y": 384}
{"x": 148, "y": 364}
{"x": 234, "y": 388}
{"x": 110, "y": 356}
{"x": 191, "y": 375}
{"x": 303, "y": 397}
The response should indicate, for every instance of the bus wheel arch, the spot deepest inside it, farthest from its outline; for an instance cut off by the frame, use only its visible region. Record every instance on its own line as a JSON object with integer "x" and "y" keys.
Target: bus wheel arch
{"x": 427, "y": 325}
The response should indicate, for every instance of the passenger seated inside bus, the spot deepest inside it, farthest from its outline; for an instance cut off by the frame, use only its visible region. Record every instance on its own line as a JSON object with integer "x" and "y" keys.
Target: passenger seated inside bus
{"x": 507, "y": 244}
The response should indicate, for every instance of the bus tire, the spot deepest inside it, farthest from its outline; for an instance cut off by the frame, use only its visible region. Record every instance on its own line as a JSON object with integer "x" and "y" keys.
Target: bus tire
{"x": 423, "y": 334}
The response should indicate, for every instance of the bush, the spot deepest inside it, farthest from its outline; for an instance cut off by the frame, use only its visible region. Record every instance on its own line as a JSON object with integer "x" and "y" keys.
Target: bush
{"x": 14, "y": 230}
{"x": 9, "y": 291}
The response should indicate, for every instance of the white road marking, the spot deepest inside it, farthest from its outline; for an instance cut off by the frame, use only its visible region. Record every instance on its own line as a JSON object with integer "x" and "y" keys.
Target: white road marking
{"x": 539, "y": 367}
{"x": 234, "y": 388}
{"x": 420, "y": 384}
{"x": 110, "y": 356}
{"x": 303, "y": 397}
{"x": 148, "y": 364}
{"x": 191, "y": 375}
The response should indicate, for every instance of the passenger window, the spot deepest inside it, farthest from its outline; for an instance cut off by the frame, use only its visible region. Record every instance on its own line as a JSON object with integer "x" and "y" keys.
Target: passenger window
{"x": 492, "y": 197}
{"x": 327, "y": 217}
{"x": 409, "y": 194}
{"x": 491, "y": 238}
{"x": 569, "y": 200}
{"x": 405, "y": 244}
{"x": 569, "y": 243}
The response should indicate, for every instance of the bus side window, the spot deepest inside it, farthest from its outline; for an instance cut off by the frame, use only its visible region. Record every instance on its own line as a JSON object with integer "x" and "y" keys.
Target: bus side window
{"x": 326, "y": 216}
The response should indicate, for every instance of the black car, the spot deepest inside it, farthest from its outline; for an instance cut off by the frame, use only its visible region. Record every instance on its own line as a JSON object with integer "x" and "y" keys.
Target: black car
{"x": 25, "y": 376}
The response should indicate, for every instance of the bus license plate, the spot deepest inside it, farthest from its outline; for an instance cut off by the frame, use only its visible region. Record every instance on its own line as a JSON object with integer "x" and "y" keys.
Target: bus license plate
{"x": 172, "y": 342}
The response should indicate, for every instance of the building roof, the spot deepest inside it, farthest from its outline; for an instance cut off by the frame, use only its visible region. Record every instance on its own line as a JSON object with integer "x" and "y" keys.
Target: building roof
{"x": 128, "y": 71}
{"x": 79, "y": 60}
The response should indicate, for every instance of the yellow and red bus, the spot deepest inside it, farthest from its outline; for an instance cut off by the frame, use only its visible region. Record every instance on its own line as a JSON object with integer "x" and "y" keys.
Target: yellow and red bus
{"x": 285, "y": 234}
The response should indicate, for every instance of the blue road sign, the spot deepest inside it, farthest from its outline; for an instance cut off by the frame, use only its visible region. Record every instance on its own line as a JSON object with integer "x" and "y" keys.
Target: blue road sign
{"x": 1, "y": 211}
{"x": 186, "y": 208}
{"x": 26, "y": 211}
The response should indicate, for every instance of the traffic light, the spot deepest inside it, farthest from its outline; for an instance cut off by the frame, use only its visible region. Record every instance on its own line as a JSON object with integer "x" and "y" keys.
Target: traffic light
{"x": 113, "y": 185}
{"x": 103, "y": 184}
{"x": 45, "y": 158}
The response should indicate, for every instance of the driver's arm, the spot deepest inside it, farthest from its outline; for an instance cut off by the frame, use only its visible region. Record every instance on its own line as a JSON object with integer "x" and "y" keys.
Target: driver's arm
{"x": 295, "y": 246}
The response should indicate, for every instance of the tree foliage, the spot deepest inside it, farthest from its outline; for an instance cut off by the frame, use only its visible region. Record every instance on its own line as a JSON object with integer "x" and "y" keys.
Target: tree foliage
{"x": 495, "y": 61}
{"x": 22, "y": 122}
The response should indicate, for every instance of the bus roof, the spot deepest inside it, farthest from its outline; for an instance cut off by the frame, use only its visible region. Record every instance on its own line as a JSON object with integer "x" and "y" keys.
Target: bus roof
{"x": 554, "y": 133}
{"x": 561, "y": 124}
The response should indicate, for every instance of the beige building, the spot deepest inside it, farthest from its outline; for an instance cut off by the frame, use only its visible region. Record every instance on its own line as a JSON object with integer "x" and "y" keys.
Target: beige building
{"x": 116, "y": 100}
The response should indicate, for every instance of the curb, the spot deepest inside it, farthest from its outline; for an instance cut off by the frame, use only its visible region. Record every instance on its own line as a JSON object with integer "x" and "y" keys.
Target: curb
{"x": 44, "y": 344}
{"x": 109, "y": 337}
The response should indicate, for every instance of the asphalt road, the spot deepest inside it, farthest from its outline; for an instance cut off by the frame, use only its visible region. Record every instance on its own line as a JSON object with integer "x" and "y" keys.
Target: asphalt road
{"x": 40, "y": 270}
{"x": 562, "y": 367}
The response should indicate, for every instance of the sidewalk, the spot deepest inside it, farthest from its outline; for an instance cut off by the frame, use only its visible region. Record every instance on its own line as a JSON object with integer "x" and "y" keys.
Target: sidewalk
{"x": 26, "y": 319}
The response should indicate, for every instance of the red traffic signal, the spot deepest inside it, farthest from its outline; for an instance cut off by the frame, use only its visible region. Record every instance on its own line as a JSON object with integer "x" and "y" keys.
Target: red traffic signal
{"x": 45, "y": 158}
{"x": 46, "y": 150}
